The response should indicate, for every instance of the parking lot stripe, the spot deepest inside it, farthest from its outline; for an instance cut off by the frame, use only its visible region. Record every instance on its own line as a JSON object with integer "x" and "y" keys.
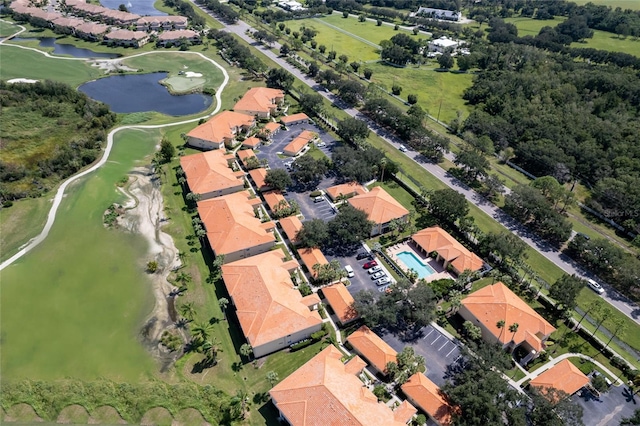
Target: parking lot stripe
{"x": 437, "y": 338}
{"x": 456, "y": 360}
{"x": 427, "y": 335}
{"x": 454, "y": 348}
{"x": 445, "y": 344}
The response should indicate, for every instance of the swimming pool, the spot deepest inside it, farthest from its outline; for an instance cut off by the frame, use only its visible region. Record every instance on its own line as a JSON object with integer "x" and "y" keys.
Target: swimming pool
{"x": 413, "y": 262}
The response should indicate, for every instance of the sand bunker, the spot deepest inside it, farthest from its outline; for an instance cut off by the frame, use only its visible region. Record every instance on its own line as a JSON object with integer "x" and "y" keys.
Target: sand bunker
{"x": 190, "y": 74}
{"x": 22, "y": 80}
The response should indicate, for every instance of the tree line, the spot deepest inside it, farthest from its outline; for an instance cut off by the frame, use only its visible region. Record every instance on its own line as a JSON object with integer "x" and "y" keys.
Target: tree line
{"x": 72, "y": 127}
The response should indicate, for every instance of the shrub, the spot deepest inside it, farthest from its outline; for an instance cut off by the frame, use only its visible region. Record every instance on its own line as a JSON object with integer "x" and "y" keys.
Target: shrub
{"x": 7, "y": 203}
{"x": 301, "y": 344}
{"x": 318, "y": 335}
{"x": 315, "y": 194}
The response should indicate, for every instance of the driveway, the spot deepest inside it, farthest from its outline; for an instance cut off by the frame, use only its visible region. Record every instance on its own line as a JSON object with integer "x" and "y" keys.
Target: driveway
{"x": 436, "y": 348}
{"x": 609, "y": 409}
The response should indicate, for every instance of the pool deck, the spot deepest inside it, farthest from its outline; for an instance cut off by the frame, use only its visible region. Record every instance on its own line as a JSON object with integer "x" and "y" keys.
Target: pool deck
{"x": 441, "y": 273}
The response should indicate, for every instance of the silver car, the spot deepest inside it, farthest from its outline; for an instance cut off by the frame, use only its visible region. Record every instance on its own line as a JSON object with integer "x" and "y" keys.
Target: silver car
{"x": 375, "y": 269}
{"x": 383, "y": 281}
{"x": 377, "y": 275}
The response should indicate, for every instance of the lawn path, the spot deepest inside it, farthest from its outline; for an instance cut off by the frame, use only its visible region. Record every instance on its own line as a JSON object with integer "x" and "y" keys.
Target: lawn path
{"x": 60, "y": 193}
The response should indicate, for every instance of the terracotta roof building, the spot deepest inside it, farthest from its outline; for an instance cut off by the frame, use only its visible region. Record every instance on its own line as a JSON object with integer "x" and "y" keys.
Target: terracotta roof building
{"x": 259, "y": 175}
{"x": 233, "y": 230}
{"x": 260, "y": 101}
{"x": 91, "y": 31}
{"x": 300, "y": 142}
{"x": 291, "y": 226}
{"x": 244, "y": 155}
{"x": 251, "y": 143}
{"x": 381, "y": 208}
{"x": 494, "y": 303}
{"x": 341, "y": 301}
{"x": 564, "y": 376}
{"x": 210, "y": 174}
{"x": 220, "y": 130}
{"x": 327, "y": 392}
{"x": 371, "y": 347}
{"x": 311, "y": 257}
{"x": 270, "y": 129}
{"x": 156, "y": 23}
{"x": 425, "y": 395}
{"x": 449, "y": 250}
{"x": 126, "y": 38}
{"x": 175, "y": 37}
{"x": 347, "y": 190}
{"x": 275, "y": 200}
{"x": 289, "y": 120}
{"x": 271, "y": 311}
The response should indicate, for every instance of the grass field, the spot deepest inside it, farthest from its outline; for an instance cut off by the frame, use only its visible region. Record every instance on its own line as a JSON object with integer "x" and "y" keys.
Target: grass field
{"x": 608, "y": 41}
{"x": 73, "y": 73}
{"x": 623, "y": 4}
{"x": 6, "y": 29}
{"x": 21, "y": 222}
{"x": 70, "y": 308}
{"x": 530, "y": 26}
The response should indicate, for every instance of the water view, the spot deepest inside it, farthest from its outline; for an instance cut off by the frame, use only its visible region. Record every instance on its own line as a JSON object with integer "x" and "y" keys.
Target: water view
{"x": 139, "y": 7}
{"x": 67, "y": 49}
{"x": 412, "y": 262}
{"x": 143, "y": 92}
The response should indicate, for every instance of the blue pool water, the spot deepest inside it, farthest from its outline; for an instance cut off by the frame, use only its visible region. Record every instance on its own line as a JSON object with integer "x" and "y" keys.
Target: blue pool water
{"x": 412, "y": 262}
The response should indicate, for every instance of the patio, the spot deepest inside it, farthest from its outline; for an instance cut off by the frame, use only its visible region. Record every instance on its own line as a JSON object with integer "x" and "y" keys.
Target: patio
{"x": 429, "y": 263}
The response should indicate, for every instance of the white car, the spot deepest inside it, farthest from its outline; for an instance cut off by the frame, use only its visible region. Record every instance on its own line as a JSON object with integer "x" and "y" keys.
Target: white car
{"x": 402, "y": 148}
{"x": 375, "y": 269}
{"x": 595, "y": 286}
{"x": 377, "y": 275}
{"x": 383, "y": 281}
{"x": 321, "y": 144}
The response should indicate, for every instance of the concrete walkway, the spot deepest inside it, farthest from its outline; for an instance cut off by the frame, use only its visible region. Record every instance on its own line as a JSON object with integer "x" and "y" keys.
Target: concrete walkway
{"x": 51, "y": 217}
{"x": 556, "y": 360}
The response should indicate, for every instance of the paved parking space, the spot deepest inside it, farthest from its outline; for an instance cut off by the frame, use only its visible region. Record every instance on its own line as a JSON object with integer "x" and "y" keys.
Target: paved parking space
{"x": 609, "y": 409}
{"x": 436, "y": 348}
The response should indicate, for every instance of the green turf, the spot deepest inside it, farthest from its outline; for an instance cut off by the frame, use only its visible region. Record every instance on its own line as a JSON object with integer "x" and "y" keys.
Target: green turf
{"x": 21, "y": 63}
{"x": 623, "y": 4}
{"x": 6, "y": 29}
{"x": 608, "y": 41}
{"x": 530, "y": 26}
{"x": 72, "y": 307}
{"x": 20, "y": 223}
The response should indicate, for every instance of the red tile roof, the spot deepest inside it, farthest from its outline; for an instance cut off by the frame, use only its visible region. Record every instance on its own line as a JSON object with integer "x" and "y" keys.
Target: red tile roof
{"x": 259, "y": 100}
{"x": 252, "y": 142}
{"x": 564, "y": 376}
{"x": 209, "y": 172}
{"x": 340, "y": 301}
{"x": 291, "y": 226}
{"x": 379, "y": 206}
{"x": 268, "y": 305}
{"x": 426, "y": 395}
{"x": 258, "y": 175}
{"x": 497, "y": 302}
{"x": 296, "y": 145}
{"x": 326, "y": 392}
{"x": 274, "y": 200}
{"x": 372, "y": 348}
{"x": 348, "y": 189}
{"x": 437, "y": 239}
{"x": 293, "y": 118}
{"x": 222, "y": 126}
{"x": 311, "y": 257}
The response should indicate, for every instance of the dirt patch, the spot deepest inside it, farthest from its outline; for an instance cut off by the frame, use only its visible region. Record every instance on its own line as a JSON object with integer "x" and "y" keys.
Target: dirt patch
{"x": 105, "y": 415}
{"x": 23, "y": 413}
{"x": 111, "y": 66}
{"x": 75, "y": 414}
{"x": 157, "y": 416}
{"x": 144, "y": 215}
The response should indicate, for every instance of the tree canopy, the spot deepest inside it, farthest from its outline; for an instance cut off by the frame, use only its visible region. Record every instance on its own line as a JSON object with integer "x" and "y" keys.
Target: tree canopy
{"x": 277, "y": 179}
{"x": 448, "y": 205}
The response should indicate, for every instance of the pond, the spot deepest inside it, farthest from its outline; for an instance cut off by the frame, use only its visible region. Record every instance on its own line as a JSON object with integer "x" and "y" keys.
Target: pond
{"x": 67, "y": 49}
{"x": 139, "y": 7}
{"x": 143, "y": 92}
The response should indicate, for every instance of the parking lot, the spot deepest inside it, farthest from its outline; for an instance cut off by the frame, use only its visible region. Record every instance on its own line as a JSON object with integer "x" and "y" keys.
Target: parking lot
{"x": 609, "y": 409}
{"x": 437, "y": 349}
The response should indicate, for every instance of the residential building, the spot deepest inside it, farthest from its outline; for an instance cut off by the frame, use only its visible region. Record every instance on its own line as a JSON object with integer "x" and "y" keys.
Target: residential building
{"x": 220, "y": 130}
{"x": 233, "y": 226}
{"x": 291, "y": 225}
{"x": 426, "y": 395}
{"x": 259, "y": 176}
{"x": 449, "y": 250}
{"x": 66, "y": 25}
{"x": 271, "y": 311}
{"x": 326, "y": 391}
{"x": 270, "y": 129}
{"x": 346, "y": 190}
{"x": 372, "y": 348}
{"x": 275, "y": 200}
{"x": 381, "y": 208}
{"x": 299, "y": 143}
{"x": 251, "y": 143}
{"x": 126, "y": 38}
{"x": 176, "y": 37}
{"x": 91, "y": 31}
{"x": 488, "y": 307}
{"x": 564, "y": 377}
{"x": 341, "y": 301}
{"x": 262, "y": 102}
{"x": 448, "y": 15}
{"x": 289, "y": 120}
{"x": 156, "y": 23}
{"x": 210, "y": 174}
{"x": 311, "y": 257}
{"x": 245, "y": 154}
{"x": 443, "y": 44}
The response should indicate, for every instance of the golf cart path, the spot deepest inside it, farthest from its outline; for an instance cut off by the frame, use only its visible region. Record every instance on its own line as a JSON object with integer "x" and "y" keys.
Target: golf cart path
{"x": 51, "y": 217}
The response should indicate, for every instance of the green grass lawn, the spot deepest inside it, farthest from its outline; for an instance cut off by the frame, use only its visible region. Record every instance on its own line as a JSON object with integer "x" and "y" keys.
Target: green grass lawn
{"x": 21, "y": 63}
{"x": 21, "y": 222}
{"x": 437, "y": 91}
{"x": 608, "y": 41}
{"x": 6, "y": 29}
{"x": 530, "y": 26}
{"x": 623, "y": 4}
{"x": 72, "y": 307}
{"x": 367, "y": 30}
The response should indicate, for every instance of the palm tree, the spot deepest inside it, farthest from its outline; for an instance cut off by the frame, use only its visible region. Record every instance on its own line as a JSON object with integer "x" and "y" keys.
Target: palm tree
{"x": 210, "y": 349}
{"x": 246, "y": 350}
{"x": 223, "y": 302}
{"x": 500, "y": 324}
{"x": 272, "y": 378}
{"x": 513, "y": 328}
{"x": 618, "y": 329}
{"x": 200, "y": 332}
{"x": 595, "y": 306}
{"x": 188, "y": 311}
{"x": 603, "y": 314}
{"x": 183, "y": 278}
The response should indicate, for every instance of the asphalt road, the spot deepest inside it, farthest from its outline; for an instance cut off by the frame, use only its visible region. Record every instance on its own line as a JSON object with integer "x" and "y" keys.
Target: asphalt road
{"x": 614, "y": 298}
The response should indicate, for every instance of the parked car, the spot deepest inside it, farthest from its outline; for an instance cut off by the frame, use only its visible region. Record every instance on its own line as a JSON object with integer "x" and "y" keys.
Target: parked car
{"x": 383, "y": 281}
{"x": 350, "y": 273}
{"x": 370, "y": 264}
{"x": 321, "y": 144}
{"x": 595, "y": 286}
{"x": 318, "y": 199}
{"x": 363, "y": 255}
{"x": 402, "y": 148}
{"x": 377, "y": 275}
{"x": 375, "y": 269}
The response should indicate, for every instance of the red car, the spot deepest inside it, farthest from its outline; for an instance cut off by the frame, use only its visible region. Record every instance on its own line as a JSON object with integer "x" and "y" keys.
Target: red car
{"x": 370, "y": 264}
